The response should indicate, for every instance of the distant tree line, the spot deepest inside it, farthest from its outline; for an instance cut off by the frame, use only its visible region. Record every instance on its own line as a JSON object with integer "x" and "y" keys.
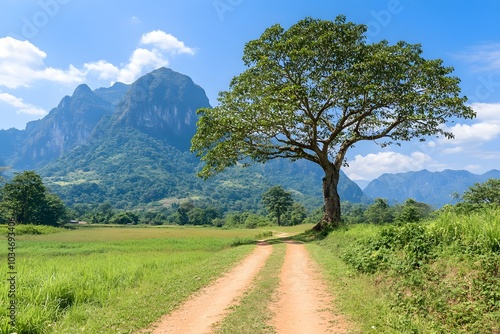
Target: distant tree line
{"x": 26, "y": 200}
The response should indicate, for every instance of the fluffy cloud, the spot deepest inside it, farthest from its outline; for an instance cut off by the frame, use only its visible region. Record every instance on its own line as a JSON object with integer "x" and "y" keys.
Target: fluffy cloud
{"x": 479, "y": 132}
{"x": 140, "y": 61}
{"x": 22, "y": 63}
{"x": 487, "y": 111}
{"x": 487, "y": 129}
{"x": 373, "y": 165}
{"x": 22, "y": 107}
{"x": 165, "y": 42}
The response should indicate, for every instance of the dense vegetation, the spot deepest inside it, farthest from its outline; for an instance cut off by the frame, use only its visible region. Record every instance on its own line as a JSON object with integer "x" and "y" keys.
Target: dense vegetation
{"x": 132, "y": 170}
{"x": 26, "y": 200}
{"x": 434, "y": 276}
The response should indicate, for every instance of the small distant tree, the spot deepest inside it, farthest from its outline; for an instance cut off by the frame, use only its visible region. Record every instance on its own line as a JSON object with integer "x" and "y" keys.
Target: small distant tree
{"x": 296, "y": 215}
{"x": 277, "y": 201}
{"x": 353, "y": 213}
{"x": 124, "y": 218}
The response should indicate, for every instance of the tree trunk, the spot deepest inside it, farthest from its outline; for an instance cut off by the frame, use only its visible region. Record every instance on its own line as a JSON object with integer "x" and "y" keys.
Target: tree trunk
{"x": 331, "y": 200}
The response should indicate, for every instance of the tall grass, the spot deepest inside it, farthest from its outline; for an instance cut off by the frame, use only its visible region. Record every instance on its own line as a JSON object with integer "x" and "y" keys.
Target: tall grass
{"x": 478, "y": 230}
{"x": 435, "y": 277}
{"x": 75, "y": 282}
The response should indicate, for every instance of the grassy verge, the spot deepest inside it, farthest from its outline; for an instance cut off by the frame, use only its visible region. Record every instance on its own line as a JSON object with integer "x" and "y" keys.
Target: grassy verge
{"x": 252, "y": 314}
{"x": 76, "y": 282}
{"x": 432, "y": 277}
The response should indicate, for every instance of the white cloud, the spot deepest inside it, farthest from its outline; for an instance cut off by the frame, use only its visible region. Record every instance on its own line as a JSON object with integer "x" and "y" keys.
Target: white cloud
{"x": 373, "y": 165}
{"x": 485, "y": 130}
{"x": 141, "y": 59}
{"x": 478, "y": 132}
{"x": 165, "y": 42}
{"x": 456, "y": 149}
{"x": 473, "y": 167}
{"x": 22, "y": 63}
{"x": 487, "y": 111}
{"x": 135, "y": 20}
{"x": 21, "y": 106}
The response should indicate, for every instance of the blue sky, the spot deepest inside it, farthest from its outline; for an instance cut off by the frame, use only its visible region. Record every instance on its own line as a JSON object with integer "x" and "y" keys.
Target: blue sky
{"x": 48, "y": 47}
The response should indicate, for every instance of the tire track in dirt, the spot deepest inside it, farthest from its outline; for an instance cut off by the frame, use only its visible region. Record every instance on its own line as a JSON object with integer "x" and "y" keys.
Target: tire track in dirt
{"x": 303, "y": 303}
{"x": 210, "y": 304}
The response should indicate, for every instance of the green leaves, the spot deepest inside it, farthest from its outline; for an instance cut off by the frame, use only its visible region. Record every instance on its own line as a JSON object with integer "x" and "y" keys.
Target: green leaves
{"x": 27, "y": 201}
{"x": 483, "y": 193}
{"x": 277, "y": 201}
{"x": 316, "y": 89}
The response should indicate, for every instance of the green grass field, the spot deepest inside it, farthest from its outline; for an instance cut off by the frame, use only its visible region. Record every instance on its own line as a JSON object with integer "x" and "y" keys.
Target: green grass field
{"x": 432, "y": 277}
{"x": 114, "y": 280}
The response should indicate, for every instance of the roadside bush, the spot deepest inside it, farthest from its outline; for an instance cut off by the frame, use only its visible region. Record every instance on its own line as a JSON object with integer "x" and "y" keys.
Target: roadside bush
{"x": 444, "y": 275}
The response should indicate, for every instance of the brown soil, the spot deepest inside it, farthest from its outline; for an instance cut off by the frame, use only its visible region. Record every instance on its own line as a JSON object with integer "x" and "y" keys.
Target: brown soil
{"x": 211, "y": 304}
{"x": 303, "y": 304}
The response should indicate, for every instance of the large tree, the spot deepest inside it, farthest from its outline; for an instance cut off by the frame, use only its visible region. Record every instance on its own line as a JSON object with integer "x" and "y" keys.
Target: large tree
{"x": 315, "y": 90}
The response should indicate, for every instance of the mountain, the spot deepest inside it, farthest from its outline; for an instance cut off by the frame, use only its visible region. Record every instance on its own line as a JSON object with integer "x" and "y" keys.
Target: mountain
{"x": 434, "y": 188}
{"x": 10, "y": 140}
{"x": 163, "y": 105}
{"x": 129, "y": 145}
{"x": 67, "y": 126}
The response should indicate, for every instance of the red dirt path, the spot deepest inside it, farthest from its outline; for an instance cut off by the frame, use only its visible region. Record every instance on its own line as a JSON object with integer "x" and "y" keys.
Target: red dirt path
{"x": 210, "y": 304}
{"x": 304, "y": 304}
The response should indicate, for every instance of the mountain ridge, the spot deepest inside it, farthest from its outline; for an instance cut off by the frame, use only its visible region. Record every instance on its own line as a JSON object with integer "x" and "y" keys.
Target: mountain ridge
{"x": 435, "y": 188}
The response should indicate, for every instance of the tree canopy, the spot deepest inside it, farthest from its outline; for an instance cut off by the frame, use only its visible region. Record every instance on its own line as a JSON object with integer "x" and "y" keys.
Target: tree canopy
{"x": 483, "y": 193}
{"x": 26, "y": 200}
{"x": 277, "y": 201}
{"x": 315, "y": 90}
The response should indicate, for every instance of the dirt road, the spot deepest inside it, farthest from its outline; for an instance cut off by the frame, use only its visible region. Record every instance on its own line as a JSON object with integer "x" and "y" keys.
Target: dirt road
{"x": 211, "y": 304}
{"x": 303, "y": 302}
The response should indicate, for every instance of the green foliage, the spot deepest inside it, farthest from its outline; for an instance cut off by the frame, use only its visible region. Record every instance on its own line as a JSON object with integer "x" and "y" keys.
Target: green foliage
{"x": 315, "y": 90}
{"x": 445, "y": 274}
{"x": 412, "y": 211}
{"x": 264, "y": 234}
{"x": 32, "y": 229}
{"x": 124, "y": 218}
{"x": 26, "y": 200}
{"x": 483, "y": 193}
{"x": 277, "y": 201}
{"x": 295, "y": 215}
{"x": 323, "y": 75}
{"x": 133, "y": 171}
{"x": 379, "y": 213}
